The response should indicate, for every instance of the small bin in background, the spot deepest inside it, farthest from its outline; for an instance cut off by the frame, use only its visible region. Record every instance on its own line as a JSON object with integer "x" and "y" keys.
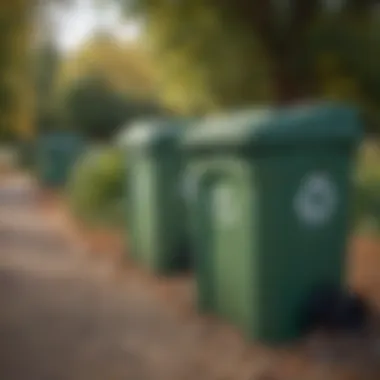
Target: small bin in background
{"x": 56, "y": 154}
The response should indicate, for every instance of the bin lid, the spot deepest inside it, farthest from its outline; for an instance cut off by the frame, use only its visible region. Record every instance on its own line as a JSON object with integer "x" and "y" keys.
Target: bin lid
{"x": 302, "y": 124}
{"x": 61, "y": 140}
{"x": 151, "y": 132}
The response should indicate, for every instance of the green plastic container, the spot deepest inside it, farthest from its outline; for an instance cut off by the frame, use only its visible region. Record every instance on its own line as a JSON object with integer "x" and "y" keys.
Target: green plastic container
{"x": 56, "y": 154}
{"x": 269, "y": 211}
{"x": 157, "y": 235}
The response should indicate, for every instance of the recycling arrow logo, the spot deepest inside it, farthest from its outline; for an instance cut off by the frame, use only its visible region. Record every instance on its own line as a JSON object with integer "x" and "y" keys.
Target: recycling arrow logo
{"x": 316, "y": 199}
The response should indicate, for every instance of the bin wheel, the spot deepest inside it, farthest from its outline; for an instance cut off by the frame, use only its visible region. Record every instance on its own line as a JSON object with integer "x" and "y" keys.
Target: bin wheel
{"x": 335, "y": 310}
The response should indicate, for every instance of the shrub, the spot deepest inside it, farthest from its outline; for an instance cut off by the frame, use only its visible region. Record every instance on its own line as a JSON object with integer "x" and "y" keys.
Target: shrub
{"x": 98, "y": 110}
{"x": 96, "y": 187}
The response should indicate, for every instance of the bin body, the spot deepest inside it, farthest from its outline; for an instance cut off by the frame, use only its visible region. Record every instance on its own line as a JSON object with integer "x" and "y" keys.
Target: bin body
{"x": 269, "y": 212}
{"x": 155, "y": 208}
{"x": 56, "y": 153}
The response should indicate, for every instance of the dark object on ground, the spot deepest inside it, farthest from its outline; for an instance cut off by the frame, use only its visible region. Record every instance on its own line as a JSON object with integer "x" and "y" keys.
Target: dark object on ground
{"x": 334, "y": 310}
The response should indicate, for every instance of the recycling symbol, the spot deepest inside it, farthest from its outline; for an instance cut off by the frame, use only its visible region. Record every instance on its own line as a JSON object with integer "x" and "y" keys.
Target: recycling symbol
{"x": 316, "y": 199}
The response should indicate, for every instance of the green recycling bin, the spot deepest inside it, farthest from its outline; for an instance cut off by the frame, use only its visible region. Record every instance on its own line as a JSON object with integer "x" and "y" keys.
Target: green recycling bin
{"x": 155, "y": 207}
{"x": 56, "y": 153}
{"x": 269, "y": 212}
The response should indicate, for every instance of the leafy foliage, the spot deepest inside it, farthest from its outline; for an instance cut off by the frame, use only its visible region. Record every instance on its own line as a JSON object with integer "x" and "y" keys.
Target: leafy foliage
{"x": 105, "y": 85}
{"x": 127, "y": 67}
{"x": 217, "y": 54}
{"x": 15, "y": 86}
{"x": 367, "y": 180}
{"x": 97, "y": 185}
{"x": 46, "y": 65}
{"x": 95, "y": 107}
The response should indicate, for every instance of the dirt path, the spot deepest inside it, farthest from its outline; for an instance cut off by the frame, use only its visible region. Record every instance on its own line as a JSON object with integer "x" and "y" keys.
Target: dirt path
{"x": 63, "y": 317}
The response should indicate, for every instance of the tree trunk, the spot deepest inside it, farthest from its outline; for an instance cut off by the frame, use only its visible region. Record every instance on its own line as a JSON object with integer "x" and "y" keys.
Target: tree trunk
{"x": 291, "y": 84}
{"x": 287, "y": 86}
{"x": 283, "y": 43}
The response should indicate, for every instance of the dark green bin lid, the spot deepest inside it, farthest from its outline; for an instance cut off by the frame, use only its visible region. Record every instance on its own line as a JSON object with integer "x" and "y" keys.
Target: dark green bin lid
{"x": 62, "y": 140}
{"x": 322, "y": 123}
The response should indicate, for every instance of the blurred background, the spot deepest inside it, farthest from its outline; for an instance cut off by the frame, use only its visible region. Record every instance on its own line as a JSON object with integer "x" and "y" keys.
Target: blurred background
{"x": 93, "y": 66}
{"x": 74, "y": 77}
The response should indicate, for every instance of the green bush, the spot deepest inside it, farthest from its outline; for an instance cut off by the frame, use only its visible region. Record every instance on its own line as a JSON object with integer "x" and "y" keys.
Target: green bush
{"x": 99, "y": 111}
{"x": 96, "y": 187}
{"x": 367, "y": 191}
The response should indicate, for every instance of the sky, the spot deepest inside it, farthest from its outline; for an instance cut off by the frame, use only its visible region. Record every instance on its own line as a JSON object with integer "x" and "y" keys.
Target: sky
{"x": 76, "y": 24}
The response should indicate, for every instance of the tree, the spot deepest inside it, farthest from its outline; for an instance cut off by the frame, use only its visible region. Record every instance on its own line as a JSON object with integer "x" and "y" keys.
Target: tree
{"x": 15, "y": 23}
{"x": 127, "y": 67}
{"x": 106, "y": 84}
{"x": 47, "y": 61}
{"x": 20, "y": 22}
{"x": 94, "y": 107}
{"x": 222, "y": 53}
